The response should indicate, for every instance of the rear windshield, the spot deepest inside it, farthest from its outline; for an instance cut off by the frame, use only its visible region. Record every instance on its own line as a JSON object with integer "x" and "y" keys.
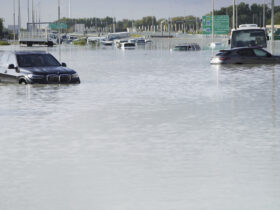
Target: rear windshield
{"x": 129, "y": 44}
{"x": 224, "y": 53}
{"x": 37, "y": 60}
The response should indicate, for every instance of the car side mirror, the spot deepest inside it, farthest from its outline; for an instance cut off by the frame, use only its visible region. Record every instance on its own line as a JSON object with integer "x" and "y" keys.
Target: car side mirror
{"x": 269, "y": 55}
{"x": 229, "y": 41}
{"x": 63, "y": 64}
{"x": 11, "y": 66}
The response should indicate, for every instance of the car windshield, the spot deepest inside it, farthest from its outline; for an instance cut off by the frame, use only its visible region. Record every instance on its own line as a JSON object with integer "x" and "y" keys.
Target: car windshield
{"x": 37, "y": 60}
{"x": 248, "y": 38}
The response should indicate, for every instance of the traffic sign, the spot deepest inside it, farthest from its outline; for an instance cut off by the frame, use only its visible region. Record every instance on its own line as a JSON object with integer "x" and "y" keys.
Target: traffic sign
{"x": 56, "y": 26}
{"x": 221, "y": 24}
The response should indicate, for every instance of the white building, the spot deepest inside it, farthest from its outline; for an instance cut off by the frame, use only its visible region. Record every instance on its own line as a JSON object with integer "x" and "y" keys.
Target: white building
{"x": 11, "y": 28}
{"x": 80, "y": 28}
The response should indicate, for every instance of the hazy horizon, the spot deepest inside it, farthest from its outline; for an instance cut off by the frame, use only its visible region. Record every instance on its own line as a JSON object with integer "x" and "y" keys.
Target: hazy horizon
{"x": 122, "y": 9}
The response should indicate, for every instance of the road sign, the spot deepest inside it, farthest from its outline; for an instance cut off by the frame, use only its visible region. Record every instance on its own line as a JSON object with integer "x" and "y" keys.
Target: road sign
{"x": 56, "y": 26}
{"x": 221, "y": 24}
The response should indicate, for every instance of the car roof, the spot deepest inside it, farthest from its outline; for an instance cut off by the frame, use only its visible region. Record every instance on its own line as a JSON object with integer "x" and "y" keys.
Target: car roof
{"x": 30, "y": 52}
{"x": 240, "y": 48}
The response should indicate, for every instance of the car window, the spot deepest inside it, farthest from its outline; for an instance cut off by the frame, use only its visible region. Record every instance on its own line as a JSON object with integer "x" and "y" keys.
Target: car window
{"x": 37, "y": 60}
{"x": 245, "y": 52}
{"x": 260, "y": 53}
{"x": 4, "y": 59}
{"x": 223, "y": 53}
{"x": 12, "y": 59}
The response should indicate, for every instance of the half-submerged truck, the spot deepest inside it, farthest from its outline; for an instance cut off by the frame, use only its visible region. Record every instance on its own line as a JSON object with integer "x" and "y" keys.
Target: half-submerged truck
{"x": 36, "y": 38}
{"x": 248, "y": 35}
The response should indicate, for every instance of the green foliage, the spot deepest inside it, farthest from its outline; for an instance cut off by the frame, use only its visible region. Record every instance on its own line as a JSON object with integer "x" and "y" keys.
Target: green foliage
{"x": 4, "y": 43}
{"x": 80, "y": 42}
{"x": 250, "y": 14}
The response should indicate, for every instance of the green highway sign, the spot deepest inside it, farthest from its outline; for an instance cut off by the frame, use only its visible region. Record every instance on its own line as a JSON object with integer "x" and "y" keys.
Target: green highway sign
{"x": 56, "y": 26}
{"x": 221, "y": 24}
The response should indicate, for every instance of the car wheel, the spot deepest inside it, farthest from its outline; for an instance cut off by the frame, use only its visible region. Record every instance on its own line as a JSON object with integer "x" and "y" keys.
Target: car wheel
{"x": 22, "y": 81}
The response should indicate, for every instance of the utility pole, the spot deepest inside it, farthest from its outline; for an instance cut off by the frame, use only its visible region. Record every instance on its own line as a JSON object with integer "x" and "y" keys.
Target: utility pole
{"x": 58, "y": 22}
{"x": 114, "y": 25}
{"x": 264, "y": 24}
{"x": 69, "y": 9}
{"x": 233, "y": 15}
{"x": 272, "y": 24}
{"x": 39, "y": 14}
{"x": 28, "y": 13}
{"x": 14, "y": 16}
{"x": 212, "y": 20}
{"x": 19, "y": 19}
{"x": 33, "y": 25}
{"x": 236, "y": 18}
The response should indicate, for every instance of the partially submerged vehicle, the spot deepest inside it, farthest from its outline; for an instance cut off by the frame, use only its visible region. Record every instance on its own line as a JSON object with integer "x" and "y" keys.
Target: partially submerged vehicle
{"x": 106, "y": 42}
{"x": 35, "y": 67}
{"x": 140, "y": 41}
{"x": 245, "y": 55}
{"x": 127, "y": 45}
{"x": 187, "y": 47}
{"x": 248, "y": 35}
{"x": 118, "y": 42}
{"x": 215, "y": 45}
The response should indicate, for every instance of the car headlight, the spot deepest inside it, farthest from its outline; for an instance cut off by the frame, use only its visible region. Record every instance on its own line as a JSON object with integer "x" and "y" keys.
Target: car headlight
{"x": 34, "y": 76}
{"x": 74, "y": 76}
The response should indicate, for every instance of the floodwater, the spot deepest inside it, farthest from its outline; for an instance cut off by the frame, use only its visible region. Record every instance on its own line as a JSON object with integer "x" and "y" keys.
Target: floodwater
{"x": 145, "y": 130}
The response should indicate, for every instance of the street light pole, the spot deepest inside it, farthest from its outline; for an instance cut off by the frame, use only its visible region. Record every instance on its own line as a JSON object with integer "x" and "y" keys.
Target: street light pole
{"x": 212, "y": 20}
{"x": 264, "y": 25}
{"x": 58, "y": 22}
{"x": 14, "y": 16}
{"x": 272, "y": 24}
{"x": 233, "y": 15}
{"x": 236, "y": 17}
{"x": 19, "y": 19}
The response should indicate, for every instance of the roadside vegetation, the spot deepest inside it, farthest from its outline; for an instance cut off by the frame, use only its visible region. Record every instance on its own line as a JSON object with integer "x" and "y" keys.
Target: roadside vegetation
{"x": 246, "y": 14}
{"x": 80, "y": 42}
{"x": 4, "y": 43}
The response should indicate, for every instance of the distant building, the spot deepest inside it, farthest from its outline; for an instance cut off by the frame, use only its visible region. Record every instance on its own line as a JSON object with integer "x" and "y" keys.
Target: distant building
{"x": 11, "y": 28}
{"x": 80, "y": 28}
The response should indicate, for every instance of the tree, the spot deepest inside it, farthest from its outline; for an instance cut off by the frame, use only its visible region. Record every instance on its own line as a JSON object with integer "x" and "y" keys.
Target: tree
{"x": 1, "y": 27}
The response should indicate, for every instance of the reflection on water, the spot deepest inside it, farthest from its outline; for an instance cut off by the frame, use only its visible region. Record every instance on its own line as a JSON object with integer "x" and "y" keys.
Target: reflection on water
{"x": 145, "y": 129}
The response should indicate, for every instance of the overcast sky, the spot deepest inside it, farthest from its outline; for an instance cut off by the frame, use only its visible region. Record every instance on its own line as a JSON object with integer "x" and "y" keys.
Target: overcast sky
{"x": 120, "y": 9}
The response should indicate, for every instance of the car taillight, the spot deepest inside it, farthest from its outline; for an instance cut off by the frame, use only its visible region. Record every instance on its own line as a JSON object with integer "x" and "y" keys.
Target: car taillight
{"x": 224, "y": 58}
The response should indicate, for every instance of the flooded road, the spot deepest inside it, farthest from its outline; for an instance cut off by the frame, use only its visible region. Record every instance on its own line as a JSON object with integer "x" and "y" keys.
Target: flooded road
{"x": 145, "y": 130}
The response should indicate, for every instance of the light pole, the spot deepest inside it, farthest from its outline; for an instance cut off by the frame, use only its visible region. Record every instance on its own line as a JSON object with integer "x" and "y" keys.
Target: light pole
{"x": 69, "y": 9}
{"x": 233, "y": 15}
{"x": 236, "y": 18}
{"x": 212, "y": 21}
{"x": 272, "y": 24}
{"x": 14, "y": 16}
{"x": 19, "y": 19}
{"x": 264, "y": 25}
{"x": 58, "y": 22}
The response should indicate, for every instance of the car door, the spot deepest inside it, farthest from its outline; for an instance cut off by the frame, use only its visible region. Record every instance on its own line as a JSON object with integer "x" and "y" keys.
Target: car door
{"x": 4, "y": 67}
{"x": 264, "y": 57}
{"x": 10, "y": 75}
{"x": 246, "y": 56}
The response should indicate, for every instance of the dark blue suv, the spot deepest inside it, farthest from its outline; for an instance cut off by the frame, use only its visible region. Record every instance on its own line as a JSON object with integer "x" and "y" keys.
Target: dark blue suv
{"x": 35, "y": 67}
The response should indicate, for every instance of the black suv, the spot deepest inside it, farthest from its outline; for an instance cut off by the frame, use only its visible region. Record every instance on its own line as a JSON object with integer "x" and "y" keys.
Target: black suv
{"x": 35, "y": 67}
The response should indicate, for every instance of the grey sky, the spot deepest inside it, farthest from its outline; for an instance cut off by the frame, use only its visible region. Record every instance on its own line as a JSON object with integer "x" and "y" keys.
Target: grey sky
{"x": 131, "y": 9}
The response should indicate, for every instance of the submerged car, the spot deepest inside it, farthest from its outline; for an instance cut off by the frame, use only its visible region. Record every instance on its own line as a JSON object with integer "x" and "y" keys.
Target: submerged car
{"x": 187, "y": 47}
{"x": 35, "y": 67}
{"x": 245, "y": 55}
